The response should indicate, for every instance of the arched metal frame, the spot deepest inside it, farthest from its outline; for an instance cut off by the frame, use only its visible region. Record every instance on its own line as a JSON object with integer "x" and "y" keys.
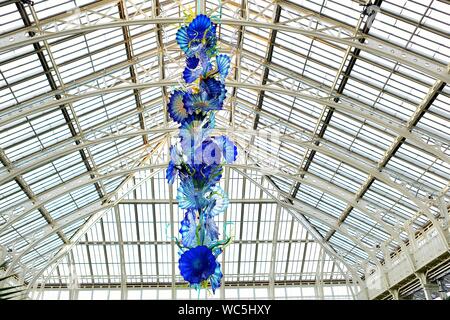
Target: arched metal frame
{"x": 28, "y": 206}
{"x": 308, "y": 179}
{"x": 299, "y": 208}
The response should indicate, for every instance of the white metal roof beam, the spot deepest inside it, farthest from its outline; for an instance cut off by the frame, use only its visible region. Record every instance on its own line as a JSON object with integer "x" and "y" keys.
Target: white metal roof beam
{"x": 355, "y": 109}
{"x": 423, "y": 106}
{"x": 22, "y": 166}
{"x": 327, "y": 112}
{"x": 319, "y": 86}
{"x": 268, "y": 59}
{"x": 101, "y": 206}
{"x": 28, "y": 207}
{"x": 123, "y": 14}
{"x": 37, "y": 101}
{"x": 371, "y": 40}
{"x": 372, "y": 45}
{"x": 123, "y": 271}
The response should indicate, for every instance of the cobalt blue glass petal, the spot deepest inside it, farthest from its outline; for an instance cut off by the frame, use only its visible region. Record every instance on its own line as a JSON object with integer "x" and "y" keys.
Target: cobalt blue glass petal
{"x": 176, "y": 108}
{"x": 197, "y": 264}
{"x": 171, "y": 172}
{"x": 216, "y": 277}
{"x": 200, "y": 102}
{"x": 188, "y": 102}
{"x": 214, "y": 174}
{"x": 192, "y": 70}
{"x": 200, "y": 28}
{"x": 212, "y": 87}
{"x": 215, "y": 90}
{"x": 192, "y": 62}
{"x": 222, "y": 96}
{"x": 190, "y": 75}
{"x": 209, "y": 153}
{"x": 223, "y": 65}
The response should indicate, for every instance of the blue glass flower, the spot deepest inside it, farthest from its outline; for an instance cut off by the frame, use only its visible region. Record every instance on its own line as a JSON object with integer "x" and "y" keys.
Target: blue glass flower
{"x": 208, "y": 153}
{"x": 214, "y": 88}
{"x": 228, "y": 148}
{"x": 196, "y": 67}
{"x": 176, "y": 108}
{"x": 201, "y": 102}
{"x": 202, "y": 34}
{"x": 183, "y": 40}
{"x": 188, "y": 229}
{"x": 216, "y": 278}
{"x": 192, "y": 62}
{"x": 223, "y": 65}
{"x": 198, "y": 157}
{"x": 192, "y": 133}
{"x": 197, "y": 264}
{"x": 218, "y": 201}
{"x": 190, "y": 197}
{"x": 211, "y": 231}
{"x": 171, "y": 172}
{"x": 192, "y": 70}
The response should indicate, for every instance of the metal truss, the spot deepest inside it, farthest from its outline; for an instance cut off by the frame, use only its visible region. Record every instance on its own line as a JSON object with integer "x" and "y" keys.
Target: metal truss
{"x": 275, "y": 195}
{"x": 21, "y": 210}
{"x": 353, "y": 109}
{"x": 397, "y": 143}
{"x": 95, "y": 212}
{"x": 308, "y": 179}
{"x": 238, "y": 168}
{"x": 325, "y": 146}
{"x": 92, "y": 209}
{"x": 115, "y": 168}
{"x": 304, "y": 209}
{"x": 26, "y": 207}
{"x": 66, "y": 25}
{"x": 129, "y": 130}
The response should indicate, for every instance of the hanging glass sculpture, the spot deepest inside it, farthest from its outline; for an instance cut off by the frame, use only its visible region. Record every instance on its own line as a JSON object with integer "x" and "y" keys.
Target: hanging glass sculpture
{"x": 198, "y": 157}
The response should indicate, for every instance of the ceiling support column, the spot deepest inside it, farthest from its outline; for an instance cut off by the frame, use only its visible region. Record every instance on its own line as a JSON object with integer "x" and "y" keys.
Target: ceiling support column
{"x": 273, "y": 256}
{"x": 123, "y": 272}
